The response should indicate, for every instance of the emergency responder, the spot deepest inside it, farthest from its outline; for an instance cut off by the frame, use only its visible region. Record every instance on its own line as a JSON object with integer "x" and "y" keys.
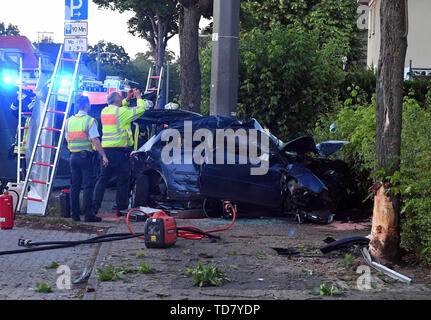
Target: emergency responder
{"x": 117, "y": 141}
{"x": 27, "y": 104}
{"x": 82, "y": 139}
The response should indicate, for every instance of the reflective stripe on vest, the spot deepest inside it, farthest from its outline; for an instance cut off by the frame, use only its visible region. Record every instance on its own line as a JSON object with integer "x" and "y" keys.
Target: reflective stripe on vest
{"x": 78, "y": 138}
{"x": 113, "y": 136}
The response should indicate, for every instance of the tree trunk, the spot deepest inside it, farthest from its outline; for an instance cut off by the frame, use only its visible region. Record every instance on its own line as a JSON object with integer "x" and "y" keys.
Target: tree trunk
{"x": 190, "y": 71}
{"x": 159, "y": 56}
{"x": 385, "y": 238}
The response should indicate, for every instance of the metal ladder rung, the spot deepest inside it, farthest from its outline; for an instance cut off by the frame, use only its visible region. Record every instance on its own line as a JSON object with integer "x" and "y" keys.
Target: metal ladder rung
{"x": 43, "y": 164}
{"x": 33, "y": 199}
{"x": 155, "y": 77}
{"x": 153, "y": 89}
{"x": 37, "y": 181}
{"x": 68, "y": 59}
{"x": 46, "y": 146}
{"x": 56, "y": 111}
{"x": 27, "y": 113}
{"x": 26, "y": 69}
{"x": 52, "y": 129}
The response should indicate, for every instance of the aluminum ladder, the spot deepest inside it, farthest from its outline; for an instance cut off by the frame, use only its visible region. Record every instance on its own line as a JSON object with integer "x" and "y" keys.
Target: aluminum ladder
{"x": 23, "y": 83}
{"x": 49, "y": 110}
{"x": 150, "y": 88}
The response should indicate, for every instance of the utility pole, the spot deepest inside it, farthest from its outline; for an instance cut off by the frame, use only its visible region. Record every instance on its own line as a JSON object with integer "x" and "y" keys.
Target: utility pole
{"x": 225, "y": 52}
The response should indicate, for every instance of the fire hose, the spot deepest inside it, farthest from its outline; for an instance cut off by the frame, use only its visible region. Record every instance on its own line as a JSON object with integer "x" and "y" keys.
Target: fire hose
{"x": 185, "y": 232}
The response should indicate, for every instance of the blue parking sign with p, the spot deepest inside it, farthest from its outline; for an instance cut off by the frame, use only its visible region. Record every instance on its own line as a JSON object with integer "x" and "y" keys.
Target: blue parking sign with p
{"x": 76, "y": 10}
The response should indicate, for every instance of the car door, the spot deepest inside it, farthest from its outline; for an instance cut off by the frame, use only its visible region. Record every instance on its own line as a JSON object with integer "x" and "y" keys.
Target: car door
{"x": 236, "y": 182}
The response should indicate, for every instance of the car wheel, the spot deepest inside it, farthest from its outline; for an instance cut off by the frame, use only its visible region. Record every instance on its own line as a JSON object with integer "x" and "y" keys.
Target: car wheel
{"x": 140, "y": 191}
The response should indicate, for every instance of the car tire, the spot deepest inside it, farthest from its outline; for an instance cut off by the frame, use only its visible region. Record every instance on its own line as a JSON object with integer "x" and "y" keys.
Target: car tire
{"x": 140, "y": 191}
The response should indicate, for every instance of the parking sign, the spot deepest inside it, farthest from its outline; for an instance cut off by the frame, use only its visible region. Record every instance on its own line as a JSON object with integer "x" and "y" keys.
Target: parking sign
{"x": 75, "y": 44}
{"x": 76, "y": 10}
{"x": 76, "y": 28}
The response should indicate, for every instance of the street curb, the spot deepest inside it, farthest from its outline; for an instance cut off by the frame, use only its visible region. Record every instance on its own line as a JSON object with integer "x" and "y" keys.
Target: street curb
{"x": 93, "y": 280}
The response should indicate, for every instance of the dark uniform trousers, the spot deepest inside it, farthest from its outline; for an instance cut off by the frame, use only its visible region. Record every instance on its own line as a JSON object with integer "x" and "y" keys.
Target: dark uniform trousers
{"x": 83, "y": 174}
{"x": 119, "y": 166}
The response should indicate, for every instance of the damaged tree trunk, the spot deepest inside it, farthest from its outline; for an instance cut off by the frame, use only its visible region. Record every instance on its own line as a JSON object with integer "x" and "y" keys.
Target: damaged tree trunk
{"x": 385, "y": 233}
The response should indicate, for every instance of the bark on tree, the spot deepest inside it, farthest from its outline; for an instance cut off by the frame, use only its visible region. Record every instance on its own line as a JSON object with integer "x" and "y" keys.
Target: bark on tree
{"x": 385, "y": 233}
{"x": 190, "y": 71}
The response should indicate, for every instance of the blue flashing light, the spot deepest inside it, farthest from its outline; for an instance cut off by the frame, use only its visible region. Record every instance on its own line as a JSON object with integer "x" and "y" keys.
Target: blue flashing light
{"x": 7, "y": 80}
{"x": 65, "y": 83}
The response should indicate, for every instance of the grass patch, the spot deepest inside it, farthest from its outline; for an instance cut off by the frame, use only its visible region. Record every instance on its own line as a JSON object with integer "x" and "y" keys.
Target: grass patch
{"x": 53, "y": 265}
{"x": 325, "y": 290}
{"x": 348, "y": 260}
{"x": 140, "y": 254}
{"x": 206, "y": 276}
{"x": 43, "y": 287}
{"x": 145, "y": 268}
{"x": 110, "y": 273}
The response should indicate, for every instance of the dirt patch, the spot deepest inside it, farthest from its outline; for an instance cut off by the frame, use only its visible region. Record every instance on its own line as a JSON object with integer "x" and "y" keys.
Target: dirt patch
{"x": 60, "y": 224}
{"x": 347, "y": 226}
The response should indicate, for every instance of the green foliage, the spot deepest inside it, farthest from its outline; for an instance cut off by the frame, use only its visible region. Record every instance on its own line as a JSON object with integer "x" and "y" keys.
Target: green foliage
{"x": 140, "y": 254}
{"x": 10, "y": 30}
{"x": 206, "y": 276}
{"x": 205, "y": 56}
{"x": 286, "y": 80}
{"x": 110, "y": 273}
{"x": 290, "y": 66}
{"x": 53, "y": 265}
{"x": 335, "y": 21}
{"x": 154, "y": 21}
{"x": 355, "y": 122}
{"x": 348, "y": 260}
{"x": 43, "y": 287}
{"x": 333, "y": 290}
{"x": 145, "y": 268}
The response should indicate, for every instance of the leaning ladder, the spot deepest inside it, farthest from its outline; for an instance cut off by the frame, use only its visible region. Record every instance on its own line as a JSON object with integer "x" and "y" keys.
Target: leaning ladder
{"x": 47, "y": 111}
{"x": 23, "y": 83}
{"x": 150, "y": 88}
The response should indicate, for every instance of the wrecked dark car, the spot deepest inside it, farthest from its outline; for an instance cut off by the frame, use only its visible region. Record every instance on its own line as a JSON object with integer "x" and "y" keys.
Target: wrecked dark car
{"x": 299, "y": 179}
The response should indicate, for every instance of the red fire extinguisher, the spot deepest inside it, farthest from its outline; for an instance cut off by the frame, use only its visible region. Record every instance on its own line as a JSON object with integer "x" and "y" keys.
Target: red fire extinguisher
{"x": 6, "y": 211}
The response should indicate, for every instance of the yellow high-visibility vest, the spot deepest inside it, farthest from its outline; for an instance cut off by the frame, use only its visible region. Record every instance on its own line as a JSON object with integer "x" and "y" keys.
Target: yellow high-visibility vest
{"x": 78, "y": 137}
{"x": 116, "y": 121}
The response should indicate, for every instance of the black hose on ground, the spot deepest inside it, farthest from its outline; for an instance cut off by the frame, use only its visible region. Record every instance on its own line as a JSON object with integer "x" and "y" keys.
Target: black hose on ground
{"x": 68, "y": 244}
